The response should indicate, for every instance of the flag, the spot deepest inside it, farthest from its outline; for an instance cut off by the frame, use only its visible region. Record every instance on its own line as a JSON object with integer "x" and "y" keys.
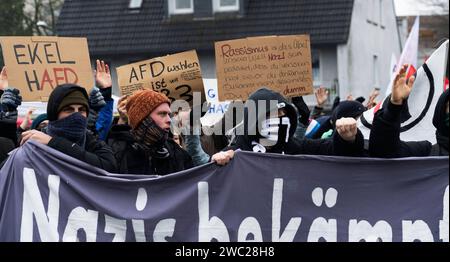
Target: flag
{"x": 427, "y": 88}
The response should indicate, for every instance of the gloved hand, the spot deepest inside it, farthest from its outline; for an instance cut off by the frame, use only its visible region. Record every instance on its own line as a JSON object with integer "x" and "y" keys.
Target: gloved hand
{"x": 11, "y": 98}
{"x": 96, "y": 99}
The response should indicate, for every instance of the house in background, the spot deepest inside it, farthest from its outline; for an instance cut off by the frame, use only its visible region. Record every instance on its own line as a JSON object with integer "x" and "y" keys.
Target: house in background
{"x": 352, "y": 40}
{"x": 433, "y": 30}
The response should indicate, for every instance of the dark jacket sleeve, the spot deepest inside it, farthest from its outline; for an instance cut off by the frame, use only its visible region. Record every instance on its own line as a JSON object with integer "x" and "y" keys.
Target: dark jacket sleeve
{"x": 97, "y": 153}
{"x": 335, "y": 146}
{"x": 385, "y": 136}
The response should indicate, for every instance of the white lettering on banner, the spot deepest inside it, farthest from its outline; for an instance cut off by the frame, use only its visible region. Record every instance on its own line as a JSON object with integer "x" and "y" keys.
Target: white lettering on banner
{"x": 363, "y": 230}
{"x": 164, "y": 228}
{"x": 209, "y": 228}
{"x": 443, "y": 224}
{"x": 139, "y": 230}
{"x": 141, "y": 199}
{"x": 32, "y": 206}
{"x": 294, "y": 223}
{"x": 250, "y": 227}
{"x": 417, "y": 231}
{"x": 115, "y": 226}
{"x": 81, "y": 218}
{"x": 322, "y": 228}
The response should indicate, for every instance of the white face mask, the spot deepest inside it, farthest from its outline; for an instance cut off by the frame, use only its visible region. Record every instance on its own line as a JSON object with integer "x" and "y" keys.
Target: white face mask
{"x": 270, "y": 130}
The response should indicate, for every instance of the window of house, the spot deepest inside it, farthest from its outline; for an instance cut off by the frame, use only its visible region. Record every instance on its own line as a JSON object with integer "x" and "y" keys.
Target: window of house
{"x": 226, "y": 5}
{"x": 381, "y": 14}
{"x": 181, "y": 7}
{"x": 135, "y": 4}
{"x": 315, "y": 60}
{"x": 376, "y": 73}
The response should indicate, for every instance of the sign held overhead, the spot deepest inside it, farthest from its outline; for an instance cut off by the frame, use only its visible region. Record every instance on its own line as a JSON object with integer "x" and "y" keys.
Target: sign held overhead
{"x": 36, "y": 65}
{"x": 281, "y": 63}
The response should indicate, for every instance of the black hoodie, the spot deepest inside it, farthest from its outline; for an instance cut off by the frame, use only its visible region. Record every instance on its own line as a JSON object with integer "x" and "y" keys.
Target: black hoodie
{"x": 441, "y": 148}
{"x": 344, "y": 109}
{"x": 95, "y": 152}
{"x": 334, "y": 146}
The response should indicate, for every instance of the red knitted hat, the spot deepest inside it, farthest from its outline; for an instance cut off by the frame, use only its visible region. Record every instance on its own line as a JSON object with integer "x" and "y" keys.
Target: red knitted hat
{"x": 142, "y": 103}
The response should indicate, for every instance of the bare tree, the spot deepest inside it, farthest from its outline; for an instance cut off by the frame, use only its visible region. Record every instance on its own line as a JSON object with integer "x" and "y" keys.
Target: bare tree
{"x": 39, "y": 11}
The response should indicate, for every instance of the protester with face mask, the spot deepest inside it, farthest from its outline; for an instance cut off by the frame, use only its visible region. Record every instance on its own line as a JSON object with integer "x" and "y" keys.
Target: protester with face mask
{"x": 271, "y": 131}
{"x": 67, "y": 112}
{"x": 385, "y": 132}
{"x": 144, "y": 146}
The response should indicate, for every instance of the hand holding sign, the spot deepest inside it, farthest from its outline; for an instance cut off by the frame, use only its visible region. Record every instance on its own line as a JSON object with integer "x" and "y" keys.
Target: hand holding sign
{"x": 401, "y": 88}
{"x": 122, "y": 108}
{"x": 102, "y": 75}
{"x": 3, "y": 79}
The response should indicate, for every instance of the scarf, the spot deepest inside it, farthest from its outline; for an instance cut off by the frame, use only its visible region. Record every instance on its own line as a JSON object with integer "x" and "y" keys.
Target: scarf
{"x": 151, "y": 138}
{"x": 72, "y": 128}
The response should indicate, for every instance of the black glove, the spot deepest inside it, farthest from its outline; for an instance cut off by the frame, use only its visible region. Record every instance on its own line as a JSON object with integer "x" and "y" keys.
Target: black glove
{"x": 303, "y": 110}
{"x": 11, "y": 98}
{"x": 96, "y": 99}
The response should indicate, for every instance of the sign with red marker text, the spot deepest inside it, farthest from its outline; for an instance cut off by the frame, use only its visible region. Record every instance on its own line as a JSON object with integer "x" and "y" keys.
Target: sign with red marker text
{"x": 177, "y": 76}
{"x": 281, "y": 63}
{"x": 36, "y": 65}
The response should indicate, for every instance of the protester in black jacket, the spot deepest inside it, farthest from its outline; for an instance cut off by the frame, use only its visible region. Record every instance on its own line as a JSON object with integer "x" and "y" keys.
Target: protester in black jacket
{"x": 144, "y": 146}
{"x": 67, "y": 111}
{"x": 272, "y": 131}
{"x": 10, "y": 99}
{"x": 6, "y": 145}
{"x": 385, "y": 132}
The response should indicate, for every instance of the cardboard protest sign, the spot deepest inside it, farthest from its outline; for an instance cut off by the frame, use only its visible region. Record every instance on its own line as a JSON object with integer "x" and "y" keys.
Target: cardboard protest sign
{"x": 36, "y": 65}
{"x": 177, "y": 76}
{"x": 281, "y": 63}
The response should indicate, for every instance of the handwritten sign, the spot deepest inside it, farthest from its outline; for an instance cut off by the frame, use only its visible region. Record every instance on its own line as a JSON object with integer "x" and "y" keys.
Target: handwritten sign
{"x": 36, "y": 65}
{"x": 281, "y": 63}
{"x": 177, "y": 76}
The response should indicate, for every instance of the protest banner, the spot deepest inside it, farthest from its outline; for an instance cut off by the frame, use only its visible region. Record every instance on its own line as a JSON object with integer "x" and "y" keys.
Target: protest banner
{"x": 36, "y": 65}
{"x": 49, "y": 196}
{"x": 281, "y": 63}
{"x": 177, "y": 76}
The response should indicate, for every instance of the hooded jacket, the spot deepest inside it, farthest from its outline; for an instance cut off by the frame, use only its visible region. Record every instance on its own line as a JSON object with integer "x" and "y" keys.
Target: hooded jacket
{"x": 344, "y": 109}
{"x": 385, "y": 133}
{"x": 334, "y": 146}
{"x": 96, "y": 153}
{"x": 441, "y": 148}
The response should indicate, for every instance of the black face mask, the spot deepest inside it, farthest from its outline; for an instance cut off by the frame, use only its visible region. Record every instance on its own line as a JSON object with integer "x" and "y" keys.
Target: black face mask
{"x": 275, "y": 132}
{"x": 72, "y": 128}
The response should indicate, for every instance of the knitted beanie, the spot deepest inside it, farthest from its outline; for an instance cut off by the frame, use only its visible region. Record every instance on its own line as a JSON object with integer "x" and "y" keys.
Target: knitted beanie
{"x": 73, "y": 98}
{"x": 141, "y": 104}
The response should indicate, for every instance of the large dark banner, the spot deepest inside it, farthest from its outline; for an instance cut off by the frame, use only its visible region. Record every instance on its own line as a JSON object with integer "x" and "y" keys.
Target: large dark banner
{"x": 48, "y": 196}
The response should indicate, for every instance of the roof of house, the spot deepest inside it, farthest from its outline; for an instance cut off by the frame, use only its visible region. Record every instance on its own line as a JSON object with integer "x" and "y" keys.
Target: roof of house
{"x": 111, "y": 28}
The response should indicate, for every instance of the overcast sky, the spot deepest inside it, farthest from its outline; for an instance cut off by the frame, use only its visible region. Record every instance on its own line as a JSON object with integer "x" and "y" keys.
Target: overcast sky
{"x": 414, "y": 7}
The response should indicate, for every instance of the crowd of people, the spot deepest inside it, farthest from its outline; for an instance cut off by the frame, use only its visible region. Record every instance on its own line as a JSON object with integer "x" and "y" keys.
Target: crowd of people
{"x": 150, "y": 138}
